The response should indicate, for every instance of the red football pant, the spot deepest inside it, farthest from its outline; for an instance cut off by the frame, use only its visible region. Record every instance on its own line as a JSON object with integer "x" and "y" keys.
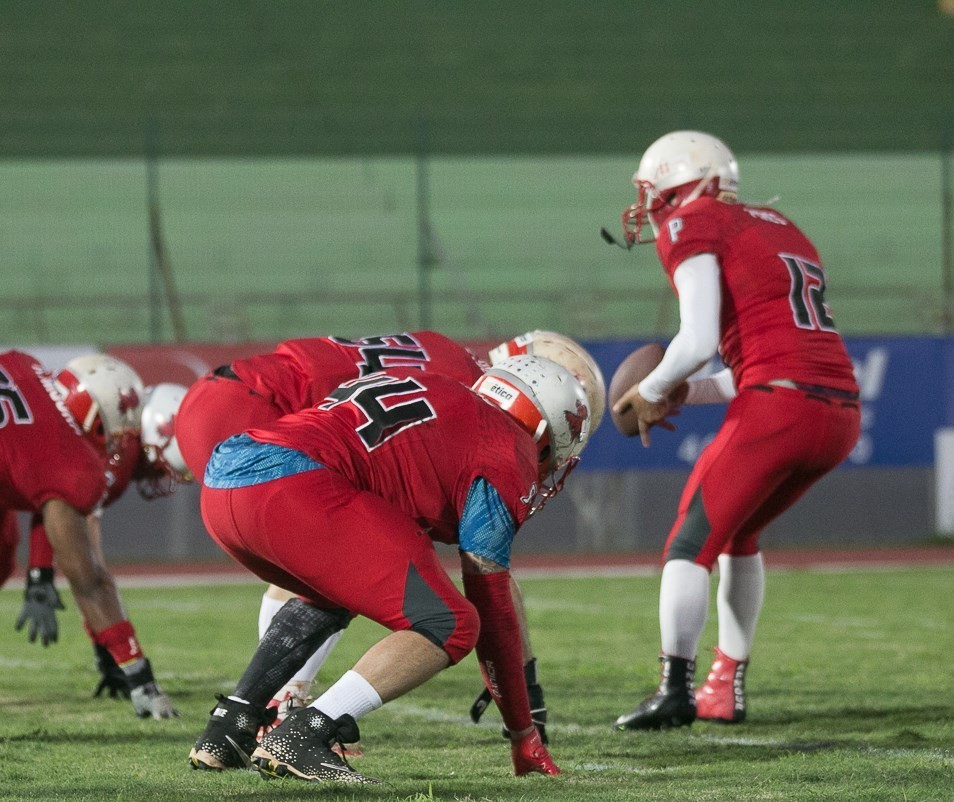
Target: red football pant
{"x": 214, "y": 409}
{"x": 773, "y": 445}
{"x": 316, "y": 535}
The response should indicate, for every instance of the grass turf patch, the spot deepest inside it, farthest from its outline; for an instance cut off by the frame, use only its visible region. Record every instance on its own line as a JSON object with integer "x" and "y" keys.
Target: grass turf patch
{"x": 849, "y": 698}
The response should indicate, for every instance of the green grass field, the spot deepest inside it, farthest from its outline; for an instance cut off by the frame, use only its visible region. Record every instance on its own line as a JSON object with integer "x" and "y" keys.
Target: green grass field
{"x": 850, "y": 699}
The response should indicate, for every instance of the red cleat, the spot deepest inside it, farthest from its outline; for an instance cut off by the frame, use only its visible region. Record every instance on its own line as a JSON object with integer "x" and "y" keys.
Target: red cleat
{"x": 530, "y": 755}
{"x": 722, "y": 696}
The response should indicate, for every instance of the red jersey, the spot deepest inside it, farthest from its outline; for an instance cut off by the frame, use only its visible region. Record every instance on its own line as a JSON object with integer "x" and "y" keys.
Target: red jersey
{"x": 44, "y": 454}
{"x": 775, "y": 323}
{"x": 419, "y": 440}
{"x": 300, "y": 373}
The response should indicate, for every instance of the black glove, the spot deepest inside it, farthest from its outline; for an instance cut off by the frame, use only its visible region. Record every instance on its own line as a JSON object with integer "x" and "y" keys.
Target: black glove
{"x": 538, "y": 708}
{"x": 41, "y": 600}
{"x": 112, "y": 680}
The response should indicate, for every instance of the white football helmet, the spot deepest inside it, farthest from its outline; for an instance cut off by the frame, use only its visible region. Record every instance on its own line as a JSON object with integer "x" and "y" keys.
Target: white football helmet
{"x": 564, "y": 351}
{"x": 675, "y": 170}
{"x": 550, "y": 404}
{"x": 104, "y": 395}
{"x": 167, "y": 468}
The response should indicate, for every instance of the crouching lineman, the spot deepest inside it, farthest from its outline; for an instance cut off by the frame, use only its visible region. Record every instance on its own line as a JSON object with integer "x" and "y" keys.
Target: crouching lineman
{"x": 299, "y": 374}
{"x": 386, "y": 465}
{"x": 64, "y": 438}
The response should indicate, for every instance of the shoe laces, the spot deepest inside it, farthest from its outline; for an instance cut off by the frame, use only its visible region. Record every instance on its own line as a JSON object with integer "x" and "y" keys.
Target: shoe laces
{"x": 345, "y": 732}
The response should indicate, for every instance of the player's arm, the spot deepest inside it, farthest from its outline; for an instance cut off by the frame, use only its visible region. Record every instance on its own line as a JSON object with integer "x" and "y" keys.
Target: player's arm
{"x": 41, "y": 599}
{"x": 538, "y": 707}
{"x": 715, "y": 389}
{"x": 93, "y": 587}
{"x": 79, "y": 556}
{"x": 486, "y": 532}
{"x": 698, "y": 283}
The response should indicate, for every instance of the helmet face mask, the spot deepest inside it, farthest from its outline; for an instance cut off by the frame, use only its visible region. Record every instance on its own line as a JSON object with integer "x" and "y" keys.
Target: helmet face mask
{"x": 162, "y": 468}
{"x": 550, "y": 404}
{"x": 104, "y": 396}
{"x": 675, "y": 170}
{"x": 566, "y": 352}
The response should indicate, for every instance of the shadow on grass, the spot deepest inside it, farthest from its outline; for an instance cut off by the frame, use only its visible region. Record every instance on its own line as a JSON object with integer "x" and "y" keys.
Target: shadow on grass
{"x": 96, "y": 738}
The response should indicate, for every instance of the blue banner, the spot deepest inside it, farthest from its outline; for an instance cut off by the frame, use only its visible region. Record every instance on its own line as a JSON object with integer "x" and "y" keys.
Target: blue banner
{"x": 905, "y": 393}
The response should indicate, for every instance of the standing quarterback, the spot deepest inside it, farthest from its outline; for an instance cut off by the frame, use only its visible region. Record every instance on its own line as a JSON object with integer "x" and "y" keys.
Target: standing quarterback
{"x": 751, "y": 287}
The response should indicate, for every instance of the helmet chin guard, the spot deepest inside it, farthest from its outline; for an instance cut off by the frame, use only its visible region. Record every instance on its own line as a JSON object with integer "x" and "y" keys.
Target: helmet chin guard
{"x": 550, "y": 404}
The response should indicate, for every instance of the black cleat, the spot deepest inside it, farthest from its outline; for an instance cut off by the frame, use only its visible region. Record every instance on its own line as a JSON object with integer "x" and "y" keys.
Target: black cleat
{"x": 229, "y": 737}
{"x": 672, "y": 705}
{"x": 301, "y": 747}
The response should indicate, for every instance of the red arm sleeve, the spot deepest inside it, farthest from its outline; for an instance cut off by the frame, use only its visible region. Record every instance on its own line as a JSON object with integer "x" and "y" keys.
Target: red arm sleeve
{"x": 498, "y": 647}
{"x": 41, "y": 552}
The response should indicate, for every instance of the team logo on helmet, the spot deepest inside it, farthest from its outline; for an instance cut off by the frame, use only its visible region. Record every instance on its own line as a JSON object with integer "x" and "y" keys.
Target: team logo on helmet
{"x": 575, "y": 420}
{"x": 128, "y": 400}
{"x": 167, "y": 428}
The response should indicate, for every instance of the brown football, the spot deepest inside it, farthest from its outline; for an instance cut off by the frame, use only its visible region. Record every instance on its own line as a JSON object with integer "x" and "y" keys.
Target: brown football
{"x": 632, "y": 370}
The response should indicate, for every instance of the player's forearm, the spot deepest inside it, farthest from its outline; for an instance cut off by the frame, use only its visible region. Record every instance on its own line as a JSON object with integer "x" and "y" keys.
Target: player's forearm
{"x": 521, "y": 613}
{"x": 41, "y": 552}
{"x": 499, "y": 647}
{"x": 92, "y": 585}
{"x": 700, "y": 299}
{"x": 715, "y": 389}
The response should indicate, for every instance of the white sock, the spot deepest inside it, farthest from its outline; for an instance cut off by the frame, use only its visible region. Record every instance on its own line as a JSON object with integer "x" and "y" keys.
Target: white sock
{"x": 683, "y": 607}
{"x": 351, "y": 694}
{"x": 267, "y": 612}
{"x": 739, "y": 602}
{"x": 307, "y": 673}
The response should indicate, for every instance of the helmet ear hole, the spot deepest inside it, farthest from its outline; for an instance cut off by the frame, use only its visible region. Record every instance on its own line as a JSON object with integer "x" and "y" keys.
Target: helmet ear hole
{"x": 544, "y": 456}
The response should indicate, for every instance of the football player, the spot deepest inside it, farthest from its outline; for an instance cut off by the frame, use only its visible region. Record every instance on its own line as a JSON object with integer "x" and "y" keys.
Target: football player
{"x": 751, "y": 287}
{"x": 299, "y": 374}
{"x": 67, "y": 437}
{"x": 158, "y": 470}
{"x": 341, "y": 503}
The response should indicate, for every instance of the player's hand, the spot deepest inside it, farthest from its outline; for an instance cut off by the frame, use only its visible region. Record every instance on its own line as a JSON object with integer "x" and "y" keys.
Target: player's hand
{"x": 150, "y": 702}
{"x": 649, "y": 413}
{"x": 146, "y": 697}
{"x": 41, "y": 600}
{"x": 538, "y": 708}
{"x": 112, "y": 680}
{"x": 530, "y": 755}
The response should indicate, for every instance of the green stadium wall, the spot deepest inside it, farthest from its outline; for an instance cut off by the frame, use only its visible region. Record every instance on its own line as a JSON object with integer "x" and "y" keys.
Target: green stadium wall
{"x": 477, "y": 247}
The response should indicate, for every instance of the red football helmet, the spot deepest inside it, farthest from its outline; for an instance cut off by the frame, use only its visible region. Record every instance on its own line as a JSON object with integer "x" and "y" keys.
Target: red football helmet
{"x": 675, "y": 170}
{"x": 104, "y": 396}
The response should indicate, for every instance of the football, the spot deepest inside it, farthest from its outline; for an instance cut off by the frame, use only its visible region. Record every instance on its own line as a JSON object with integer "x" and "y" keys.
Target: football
{"x": 632, "y": 370}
